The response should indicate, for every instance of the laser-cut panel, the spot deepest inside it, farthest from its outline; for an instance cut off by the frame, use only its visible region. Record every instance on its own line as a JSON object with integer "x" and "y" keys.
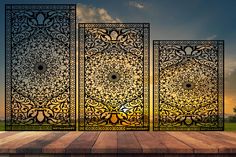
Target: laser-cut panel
{"x": 114, "y": 76}
{"x": 40, "y": 67}
{"x": 188, "y": 85}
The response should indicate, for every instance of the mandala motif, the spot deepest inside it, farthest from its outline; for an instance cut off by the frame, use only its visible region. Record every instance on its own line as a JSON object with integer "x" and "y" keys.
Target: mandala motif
{"x": 190, "y": 85}
{"x": 40, "y": 67}
{"x": 114, "y": 77}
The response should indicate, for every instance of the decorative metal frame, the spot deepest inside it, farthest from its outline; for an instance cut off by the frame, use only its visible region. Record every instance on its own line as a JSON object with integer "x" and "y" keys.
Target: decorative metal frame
{"x": 114, "y": 76}
{"x": 40, "y": 67}
{"x": 188, "y": 85}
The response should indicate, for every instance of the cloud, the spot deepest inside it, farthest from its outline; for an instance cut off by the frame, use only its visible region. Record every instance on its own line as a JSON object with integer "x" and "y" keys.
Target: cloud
{"x": 230, "y": 84}
{"x": 230, "y": 66}
{"x": 136, "y": 4}
{"x": 90, "y": 14}
{"x": 211, "y": 37}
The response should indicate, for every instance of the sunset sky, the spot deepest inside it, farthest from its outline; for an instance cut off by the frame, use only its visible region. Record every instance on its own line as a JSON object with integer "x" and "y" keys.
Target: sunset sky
{"x": 169, "y": 20}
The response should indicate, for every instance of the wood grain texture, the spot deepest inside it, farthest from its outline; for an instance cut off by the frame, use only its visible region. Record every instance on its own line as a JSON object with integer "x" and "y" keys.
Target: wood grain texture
{"x": 60, "y": 145}
{"x": 222, "y": 145}
{"x": 149, "y": 143}
{"x": 37, "y": 145}
{"x": 130, "y": 143}
{"x": 11, "y": 146}
{"x": 227, "y": 137}
{"x": 6, "y": 133}
{"x": 84, "y": 143}
{"x": 106, "y": 143}
{"x": 172, "y": 144}
{"x": 127, "y": 143}
{"x": 198, "y": 146}
{"x": 13, "y": 137}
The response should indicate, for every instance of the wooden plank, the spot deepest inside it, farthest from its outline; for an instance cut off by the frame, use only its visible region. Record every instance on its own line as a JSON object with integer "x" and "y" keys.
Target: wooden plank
{"x": 149, "y": 143}
{"x": 84, "y": 143}
{"x": 7, "y": 133}
{"x": 162, "y": 143}
{"x": 172, "y": 144}
{"x": 37, "y": 145}
{"x": 59, "y": 145}
{"x": 106, "y": 143}
{"x": 3, "y": 132}
{"x": 232, "y": 135}
{"x": 199, "y": 146}
{"x": 13, "y": 137}
{"x": 11, "y": 146}
{"x": 230, "y": 138}
{"x": 223, "y": 147}
{"x": 127, "y": 143}
{"x": 228, "y": 133}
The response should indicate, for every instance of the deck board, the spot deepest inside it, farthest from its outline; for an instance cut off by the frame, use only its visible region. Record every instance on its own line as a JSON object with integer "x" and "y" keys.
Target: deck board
{"x": 223, "y": 146}
{"x": 198, "y": 146}
{"x": 172, "y": 144}
{"x": 7, "y": 133}
{"x": 128, "y": 143}
{"x": 224, "y": 137}
{"x": 37, "y": 145}
{"x": 13, "y": 137}
{"x": 84, "y": 143}
{"x": 149, "y": 143}
{"x": 11, "y": 146}
{"x": 106, "y": 143}
{"x": 125, "y": 143}
{"x": 60, "y": 145}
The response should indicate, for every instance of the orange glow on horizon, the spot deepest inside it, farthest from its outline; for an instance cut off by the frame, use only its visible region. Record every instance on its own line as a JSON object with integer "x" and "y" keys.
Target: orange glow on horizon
{"x": 230, "y": 103}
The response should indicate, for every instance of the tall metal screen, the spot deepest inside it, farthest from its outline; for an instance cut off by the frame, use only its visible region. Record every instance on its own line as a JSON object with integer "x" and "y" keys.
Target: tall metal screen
{"x": 40, "y": 67}
{"x": 114, "y": 76}
{"x": 188, "y": 85}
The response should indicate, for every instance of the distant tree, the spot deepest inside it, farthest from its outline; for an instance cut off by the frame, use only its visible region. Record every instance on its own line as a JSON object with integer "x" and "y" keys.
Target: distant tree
{"x": 233, "y": 117}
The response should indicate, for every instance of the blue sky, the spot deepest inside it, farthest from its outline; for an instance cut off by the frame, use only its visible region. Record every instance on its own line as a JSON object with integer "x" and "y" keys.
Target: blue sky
{"x": 169, "y": 19}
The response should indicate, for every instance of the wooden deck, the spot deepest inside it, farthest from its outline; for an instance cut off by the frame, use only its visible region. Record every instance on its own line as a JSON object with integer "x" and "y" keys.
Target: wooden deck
{"x": 164, "y": 144}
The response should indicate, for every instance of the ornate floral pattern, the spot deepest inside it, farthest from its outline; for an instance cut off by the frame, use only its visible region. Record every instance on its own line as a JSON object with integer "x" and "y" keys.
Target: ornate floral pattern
{"x": 189, "y": 83}
{"x": 40, "y": 67}
{"x": 114, "y": 76}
